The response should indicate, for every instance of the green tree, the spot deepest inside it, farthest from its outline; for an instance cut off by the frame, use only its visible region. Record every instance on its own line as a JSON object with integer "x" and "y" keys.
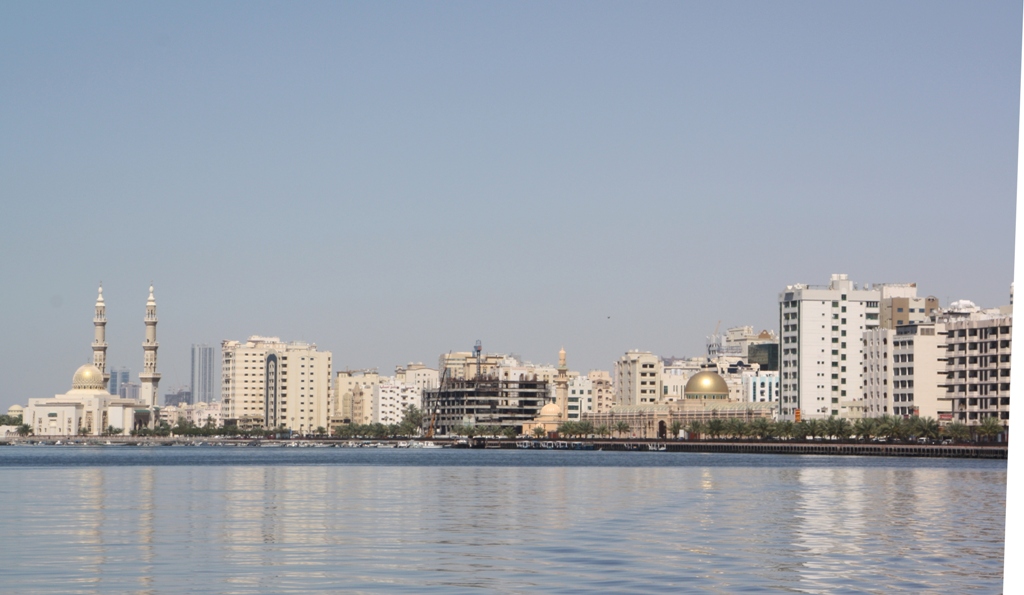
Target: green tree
{"x": 864, "y": 428}
{"x": 24, "y": 430}
{"x": 509, "y": 432}
{"x": 603, "y": 431}
{"x": 927, "y": 427}
{"x": 586, "y": 428}
{"x": 990, "y": 428}
{"x": 802, "y": 429}
{"x": 112, "y": 431}
{"x": 621, "y": 427}
{"x": 674, "y": 428}
{"x": 715, "y": 427}
{"x": 957, "y": 431}
{"x": 761, "y": 427}
{"x": 785, "y": 429}
{"x": 538, "y": 431}
{"x": 694, "y": 428}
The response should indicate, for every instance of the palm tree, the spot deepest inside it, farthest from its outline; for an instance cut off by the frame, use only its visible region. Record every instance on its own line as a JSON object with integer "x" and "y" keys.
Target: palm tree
{"x": 957, "y": 431}
{"x": 695, "y": 427}
{"x": 802, "y": 429}
{"x": 785, "y": 429}
{"x": 621, "y": 427}
{"x": 715, "y": 427}
{"x": 24, "y": 430}
{"x": 927, "y": 427}
{"x": 585, "y": 428}
{"x": 890, "y": 426}
{"x": 990, "y": 427}
{"x": 539, "y": 432}
{"x": 603, "y": 431}
{"x": 674, "y": 428}
{"x": 814, "y": 428}
{"x": 508, "y": 432}
{"x": 761, "y": 427}
{"x": 864, "y": 428}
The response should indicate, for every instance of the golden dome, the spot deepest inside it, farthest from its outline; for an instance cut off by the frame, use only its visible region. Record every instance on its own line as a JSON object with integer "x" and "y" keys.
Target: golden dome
{"x": 88, "y": 377}
{"x": 706, "y": 383}
{"x": 551, "y": 410}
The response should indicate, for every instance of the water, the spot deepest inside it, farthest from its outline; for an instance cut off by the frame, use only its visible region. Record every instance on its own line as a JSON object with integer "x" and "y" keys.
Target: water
{"x": 250, "y": 520}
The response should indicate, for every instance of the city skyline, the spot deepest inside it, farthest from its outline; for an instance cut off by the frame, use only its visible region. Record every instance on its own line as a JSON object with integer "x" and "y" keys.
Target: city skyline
{"x": 395, "y": 183}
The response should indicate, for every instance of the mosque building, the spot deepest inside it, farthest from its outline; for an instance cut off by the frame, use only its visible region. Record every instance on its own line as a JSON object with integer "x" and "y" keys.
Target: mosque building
{"x": 88, "y": 408}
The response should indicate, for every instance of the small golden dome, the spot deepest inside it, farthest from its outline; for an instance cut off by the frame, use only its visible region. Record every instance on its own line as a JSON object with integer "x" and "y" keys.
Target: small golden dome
{"x": 551, "y": 410}
{"x": 706, "y": 383}
{"x": 88, "y": 377}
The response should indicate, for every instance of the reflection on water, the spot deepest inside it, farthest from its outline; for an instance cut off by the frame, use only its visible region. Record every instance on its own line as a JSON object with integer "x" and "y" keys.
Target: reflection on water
{"x": 392, "y": 529}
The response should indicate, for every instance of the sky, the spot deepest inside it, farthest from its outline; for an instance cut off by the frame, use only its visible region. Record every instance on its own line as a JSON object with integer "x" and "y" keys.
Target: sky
{"x": 392, "y": 181}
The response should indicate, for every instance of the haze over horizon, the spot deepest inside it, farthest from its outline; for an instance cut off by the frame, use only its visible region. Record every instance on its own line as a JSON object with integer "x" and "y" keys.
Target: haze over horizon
{"x": 395, "y": 181}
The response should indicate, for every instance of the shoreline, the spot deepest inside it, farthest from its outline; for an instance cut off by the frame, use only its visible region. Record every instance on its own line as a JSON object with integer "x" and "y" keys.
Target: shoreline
{"x": 825, "y": 448}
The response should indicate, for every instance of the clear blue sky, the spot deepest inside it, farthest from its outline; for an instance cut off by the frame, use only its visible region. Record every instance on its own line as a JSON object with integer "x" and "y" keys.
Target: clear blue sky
{"x": 396, "y": 180}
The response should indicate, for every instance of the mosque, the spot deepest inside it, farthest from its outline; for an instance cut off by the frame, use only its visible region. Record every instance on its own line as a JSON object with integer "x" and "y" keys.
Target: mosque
{"x": 88, "y": 408}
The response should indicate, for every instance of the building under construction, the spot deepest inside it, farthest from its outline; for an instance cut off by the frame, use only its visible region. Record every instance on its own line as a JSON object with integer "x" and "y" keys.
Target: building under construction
{"x": 483, "y": 401}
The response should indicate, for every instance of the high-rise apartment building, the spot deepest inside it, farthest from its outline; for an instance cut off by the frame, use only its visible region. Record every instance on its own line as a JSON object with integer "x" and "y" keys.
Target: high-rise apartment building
{"x": 638, "y": 378}
{"x": 978, "y": 367}
{"x": 580, "y": 397}
{"x": 352, "y": 396}
{"x": 204, "y": 383}
{"x": 877, "y": 369}
{"x": 268, "y": 383}
{"x": 822, "y": 352}
{"x": 118, "y": 377}
{"x": 604, "y": 391}
{"x": 899, "y": 305}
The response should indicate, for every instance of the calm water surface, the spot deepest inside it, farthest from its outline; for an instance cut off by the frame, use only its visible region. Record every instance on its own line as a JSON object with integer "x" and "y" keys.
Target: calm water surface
{"x": 268, "y": 521}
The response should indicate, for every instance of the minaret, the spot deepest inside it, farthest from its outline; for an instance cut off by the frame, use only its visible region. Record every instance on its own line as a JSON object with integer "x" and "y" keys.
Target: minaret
{"x": 149, "y": 376}
{"x": 562, "y": 386}
{"x": 99, "y": 343}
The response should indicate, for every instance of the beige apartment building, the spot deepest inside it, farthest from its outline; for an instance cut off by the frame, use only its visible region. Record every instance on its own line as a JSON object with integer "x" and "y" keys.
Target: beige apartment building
{"x": 353, "y": 396}
{"x": 638, "y": 378}
{"x": 978, "y": 368}
{"x": 899, "y": 305}
{"x": 267, "y": 383}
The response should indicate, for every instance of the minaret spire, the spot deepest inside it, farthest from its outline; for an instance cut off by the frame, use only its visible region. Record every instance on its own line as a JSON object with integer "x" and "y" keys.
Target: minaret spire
{"x": 562, "y": 386}
{"x": 99, "y": 342}
{"x": 150, "y": 377}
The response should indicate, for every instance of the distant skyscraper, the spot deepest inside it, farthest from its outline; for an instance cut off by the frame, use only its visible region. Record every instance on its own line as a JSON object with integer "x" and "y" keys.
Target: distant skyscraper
{"x": 203, "y": 388}
{"x": 118, "y": 377}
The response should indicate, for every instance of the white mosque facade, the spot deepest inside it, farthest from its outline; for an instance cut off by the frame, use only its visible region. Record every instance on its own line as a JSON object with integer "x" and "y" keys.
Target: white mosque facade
{"x": 88, "y": 408}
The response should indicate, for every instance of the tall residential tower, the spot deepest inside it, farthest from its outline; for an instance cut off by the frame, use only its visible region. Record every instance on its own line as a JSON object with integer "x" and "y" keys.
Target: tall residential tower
{"x": 204, "y": 385}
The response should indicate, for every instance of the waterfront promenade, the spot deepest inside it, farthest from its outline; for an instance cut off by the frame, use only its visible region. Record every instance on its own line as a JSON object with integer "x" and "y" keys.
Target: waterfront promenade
{"x": 828, "y": 448}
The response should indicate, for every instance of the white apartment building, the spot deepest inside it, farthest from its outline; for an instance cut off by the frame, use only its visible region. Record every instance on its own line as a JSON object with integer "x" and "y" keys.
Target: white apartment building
{"x": 418, "y": 375}
{"x": 760, "y": 387}
{"x": 268, "y": 383}
{"x": 638, "y": 378}
{"x": 821, "y": 348}
{"x": 391, "y": 399}
{"x": 580, "y": 398}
